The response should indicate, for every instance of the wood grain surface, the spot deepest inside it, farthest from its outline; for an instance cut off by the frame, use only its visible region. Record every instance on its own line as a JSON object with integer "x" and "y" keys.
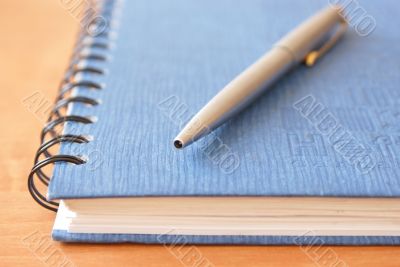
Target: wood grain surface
{"x": 36, "y": 41}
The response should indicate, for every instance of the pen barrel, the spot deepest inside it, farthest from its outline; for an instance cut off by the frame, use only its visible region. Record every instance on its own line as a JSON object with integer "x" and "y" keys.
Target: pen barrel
{"x": 310, "y": 33}
{"x": 237, "y": 94}
{"x": 255, "y": 79}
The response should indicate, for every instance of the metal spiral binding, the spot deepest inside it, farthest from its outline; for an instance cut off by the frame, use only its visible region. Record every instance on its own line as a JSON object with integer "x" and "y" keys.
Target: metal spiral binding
{"x": 89, "y": 47}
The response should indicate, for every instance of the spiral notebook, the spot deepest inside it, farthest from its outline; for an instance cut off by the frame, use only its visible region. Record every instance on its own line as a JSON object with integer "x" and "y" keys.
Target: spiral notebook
{"x": 272, "y": 175}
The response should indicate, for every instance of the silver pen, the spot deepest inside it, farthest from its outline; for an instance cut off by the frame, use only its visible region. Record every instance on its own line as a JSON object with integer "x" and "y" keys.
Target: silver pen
{"x": 296, "y": 47}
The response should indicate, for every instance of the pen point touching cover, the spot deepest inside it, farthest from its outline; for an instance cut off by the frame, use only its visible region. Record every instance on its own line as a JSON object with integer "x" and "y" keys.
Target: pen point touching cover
{"x": 178, "y": 144}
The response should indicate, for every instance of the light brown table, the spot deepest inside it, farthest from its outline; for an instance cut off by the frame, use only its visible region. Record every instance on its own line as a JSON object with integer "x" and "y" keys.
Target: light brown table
{"x": 36, "y": 41}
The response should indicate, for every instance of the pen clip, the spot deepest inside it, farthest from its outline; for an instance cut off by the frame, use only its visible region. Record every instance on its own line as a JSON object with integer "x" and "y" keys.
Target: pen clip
{"x": 314, "y": 55}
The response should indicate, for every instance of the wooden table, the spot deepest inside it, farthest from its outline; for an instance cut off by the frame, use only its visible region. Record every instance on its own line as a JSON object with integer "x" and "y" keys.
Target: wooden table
{"x": 36, "y": 41}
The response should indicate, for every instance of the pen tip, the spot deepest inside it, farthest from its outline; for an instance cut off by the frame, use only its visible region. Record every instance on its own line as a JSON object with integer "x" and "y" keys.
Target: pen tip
{"x": 178, "y": 144}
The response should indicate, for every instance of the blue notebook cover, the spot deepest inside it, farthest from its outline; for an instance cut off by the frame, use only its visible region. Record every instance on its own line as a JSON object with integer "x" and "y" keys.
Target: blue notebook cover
{"x": 329, "y": 130}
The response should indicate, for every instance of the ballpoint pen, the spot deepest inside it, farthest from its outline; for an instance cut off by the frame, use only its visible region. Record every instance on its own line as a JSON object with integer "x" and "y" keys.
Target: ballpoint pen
{"x": 298, "y": 46}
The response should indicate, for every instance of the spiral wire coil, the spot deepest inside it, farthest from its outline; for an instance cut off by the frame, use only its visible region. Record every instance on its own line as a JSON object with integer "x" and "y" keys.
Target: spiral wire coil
{"x": 92, "y": 44}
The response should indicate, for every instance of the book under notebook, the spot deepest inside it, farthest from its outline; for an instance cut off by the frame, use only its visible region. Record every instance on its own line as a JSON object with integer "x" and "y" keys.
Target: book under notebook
{"x": 234, "y": 216}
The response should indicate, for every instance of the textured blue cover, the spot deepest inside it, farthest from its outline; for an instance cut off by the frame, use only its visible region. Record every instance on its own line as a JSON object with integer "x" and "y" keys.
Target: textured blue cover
{"x": 190, "y": 50}
{"x": 226, "y": 240}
